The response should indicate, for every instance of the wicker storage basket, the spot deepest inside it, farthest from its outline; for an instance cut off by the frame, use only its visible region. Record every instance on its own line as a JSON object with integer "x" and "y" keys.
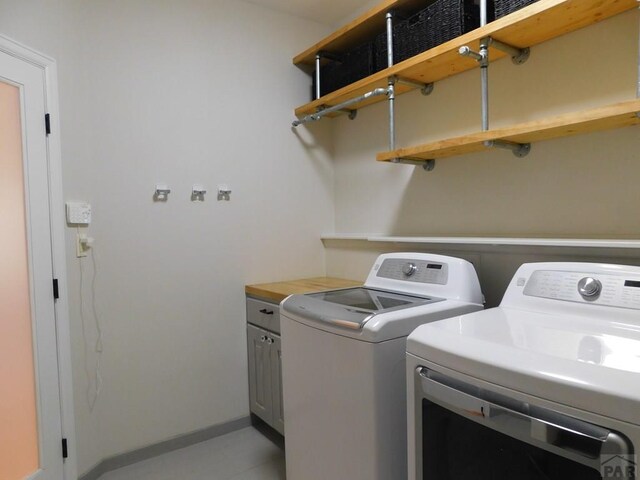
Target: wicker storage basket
{"x": 354, "y": 65}
{"x": 505, "y": 7}
{"x": 380, "y": 50}
{"x": 437, "y": 23}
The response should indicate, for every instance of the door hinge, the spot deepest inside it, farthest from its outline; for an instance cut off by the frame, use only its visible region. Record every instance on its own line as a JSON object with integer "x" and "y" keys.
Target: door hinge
{"x": 56, "y": 289}
{"x": 65, "y": 448}
{"x": 47, "y": 123}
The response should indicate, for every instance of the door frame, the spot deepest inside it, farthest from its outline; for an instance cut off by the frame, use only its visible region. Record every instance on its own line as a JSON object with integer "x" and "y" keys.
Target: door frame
{"x": 56, "y": 207}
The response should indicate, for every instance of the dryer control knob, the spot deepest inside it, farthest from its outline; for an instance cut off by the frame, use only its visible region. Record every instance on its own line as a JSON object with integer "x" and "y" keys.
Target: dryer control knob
{"x": 589, "y": 287}
{"x": 409, "y": 268}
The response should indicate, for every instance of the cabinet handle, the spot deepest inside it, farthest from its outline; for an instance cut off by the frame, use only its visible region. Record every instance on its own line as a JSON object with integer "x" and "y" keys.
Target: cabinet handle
{"x": 266, "y": 312}
{"x": 270, "y": 340}
{"x": 263, "y": 338}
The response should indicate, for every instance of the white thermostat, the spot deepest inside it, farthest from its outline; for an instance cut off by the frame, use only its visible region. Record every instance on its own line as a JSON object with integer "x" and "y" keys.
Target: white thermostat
{"x": 78, "y": 213}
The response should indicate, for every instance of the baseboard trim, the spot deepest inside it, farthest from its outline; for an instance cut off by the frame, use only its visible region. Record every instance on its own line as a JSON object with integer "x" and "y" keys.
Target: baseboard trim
{"x": 175, "y": 443}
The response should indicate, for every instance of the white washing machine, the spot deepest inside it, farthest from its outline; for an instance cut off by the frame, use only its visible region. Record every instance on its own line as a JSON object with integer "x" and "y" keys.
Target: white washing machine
{"x": 544, "y": 387}
{"x": 343, "y": 364}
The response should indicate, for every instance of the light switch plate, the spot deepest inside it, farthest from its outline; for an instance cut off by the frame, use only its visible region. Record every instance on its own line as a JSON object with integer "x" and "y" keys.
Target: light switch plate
{"x": 78, "y": 213}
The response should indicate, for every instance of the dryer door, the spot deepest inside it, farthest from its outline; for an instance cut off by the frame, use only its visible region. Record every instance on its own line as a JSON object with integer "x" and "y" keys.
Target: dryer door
{"x": 467, "y": 432}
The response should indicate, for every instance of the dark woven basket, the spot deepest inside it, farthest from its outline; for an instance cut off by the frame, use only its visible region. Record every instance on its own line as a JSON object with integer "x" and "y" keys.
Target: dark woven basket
{"x": 380, "y": 50}
{"x": 438, "y": 23}
{"x": 505, "y": 7}
{"x": 354, "y": 65}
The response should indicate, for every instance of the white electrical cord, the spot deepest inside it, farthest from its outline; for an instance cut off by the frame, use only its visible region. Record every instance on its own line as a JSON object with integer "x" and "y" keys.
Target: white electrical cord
{"x": 95, "y": 377}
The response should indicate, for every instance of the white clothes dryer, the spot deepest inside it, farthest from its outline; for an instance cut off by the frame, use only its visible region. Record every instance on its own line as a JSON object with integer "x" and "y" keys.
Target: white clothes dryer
{"x": 544, "y": 387}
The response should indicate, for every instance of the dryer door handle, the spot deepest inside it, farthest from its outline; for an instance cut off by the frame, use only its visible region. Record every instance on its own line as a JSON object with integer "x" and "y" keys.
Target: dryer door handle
{"x": 558, "y": 433}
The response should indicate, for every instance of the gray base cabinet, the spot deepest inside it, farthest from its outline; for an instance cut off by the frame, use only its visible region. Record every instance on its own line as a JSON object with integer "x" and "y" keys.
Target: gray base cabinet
{"x": 265, "y": 362}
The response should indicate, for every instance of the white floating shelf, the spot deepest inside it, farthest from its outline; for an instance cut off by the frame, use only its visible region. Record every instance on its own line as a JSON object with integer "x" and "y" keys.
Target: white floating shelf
{"x": 492, "y": 241}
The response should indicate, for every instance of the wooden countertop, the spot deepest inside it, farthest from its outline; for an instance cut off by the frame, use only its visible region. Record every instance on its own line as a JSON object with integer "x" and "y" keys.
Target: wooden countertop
{"x": 278, "y": 291}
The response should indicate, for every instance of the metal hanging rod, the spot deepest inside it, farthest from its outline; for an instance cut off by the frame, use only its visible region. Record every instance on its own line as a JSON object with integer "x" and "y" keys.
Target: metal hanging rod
{"x": 341, "y": 106}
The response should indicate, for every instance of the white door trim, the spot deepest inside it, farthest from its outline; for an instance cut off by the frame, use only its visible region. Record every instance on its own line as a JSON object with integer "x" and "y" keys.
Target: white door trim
{"x": 56, "y": 202}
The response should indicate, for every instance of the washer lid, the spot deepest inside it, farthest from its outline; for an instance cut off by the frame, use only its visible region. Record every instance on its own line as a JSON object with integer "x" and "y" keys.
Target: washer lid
{"x": 352, "y": 307}
{"x": 588, "y": 363}
{"x": 369, "y": 300}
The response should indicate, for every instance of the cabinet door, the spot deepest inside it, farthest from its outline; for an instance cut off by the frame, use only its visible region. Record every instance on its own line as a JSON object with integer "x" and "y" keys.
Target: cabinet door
{"x": 276, "y": 384}
{"x": 260, "y": 396}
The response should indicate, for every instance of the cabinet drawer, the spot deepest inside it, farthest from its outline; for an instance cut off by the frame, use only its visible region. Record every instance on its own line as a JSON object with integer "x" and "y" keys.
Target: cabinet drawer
{"x": 263, "y": 314}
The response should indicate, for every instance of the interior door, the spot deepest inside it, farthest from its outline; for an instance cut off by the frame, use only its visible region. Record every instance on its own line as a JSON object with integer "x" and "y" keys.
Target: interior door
{"x": 30, "y": 415}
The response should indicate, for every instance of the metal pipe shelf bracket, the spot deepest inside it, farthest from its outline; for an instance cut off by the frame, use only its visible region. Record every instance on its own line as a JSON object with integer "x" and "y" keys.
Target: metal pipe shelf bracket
{"x": 518, "y": 56}
{"x": 425, "y": 89}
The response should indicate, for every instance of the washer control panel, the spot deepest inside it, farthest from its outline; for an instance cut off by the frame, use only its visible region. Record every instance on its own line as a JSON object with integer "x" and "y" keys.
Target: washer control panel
{"x": 585, "y": 287}
{"x": 418, "y": 271}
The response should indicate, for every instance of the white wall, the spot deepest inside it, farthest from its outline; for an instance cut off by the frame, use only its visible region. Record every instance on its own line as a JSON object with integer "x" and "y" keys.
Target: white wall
{"x": 585, "y": 186}
{"x": 196, "y": 91}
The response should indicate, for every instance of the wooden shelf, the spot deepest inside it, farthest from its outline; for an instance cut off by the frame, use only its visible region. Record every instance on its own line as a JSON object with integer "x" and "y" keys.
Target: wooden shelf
{"x": 604, "y": 118}
{"x": 363, "y": 28}
{"x": 532, "y": 25}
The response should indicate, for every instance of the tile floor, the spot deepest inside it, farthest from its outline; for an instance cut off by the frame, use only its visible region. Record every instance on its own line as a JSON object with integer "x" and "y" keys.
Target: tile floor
{"x": 242, "y": 455}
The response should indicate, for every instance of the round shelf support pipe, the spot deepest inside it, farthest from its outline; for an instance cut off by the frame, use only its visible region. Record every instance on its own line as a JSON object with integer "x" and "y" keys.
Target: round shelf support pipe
{"x": 318, "y": 58}
{"x": 483, "y": 13}
{"x": 484, "y": 67}
{"x": 484, "y": 72}
{"x": 392, "y": 82}
{"x": 483, "y": 59}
